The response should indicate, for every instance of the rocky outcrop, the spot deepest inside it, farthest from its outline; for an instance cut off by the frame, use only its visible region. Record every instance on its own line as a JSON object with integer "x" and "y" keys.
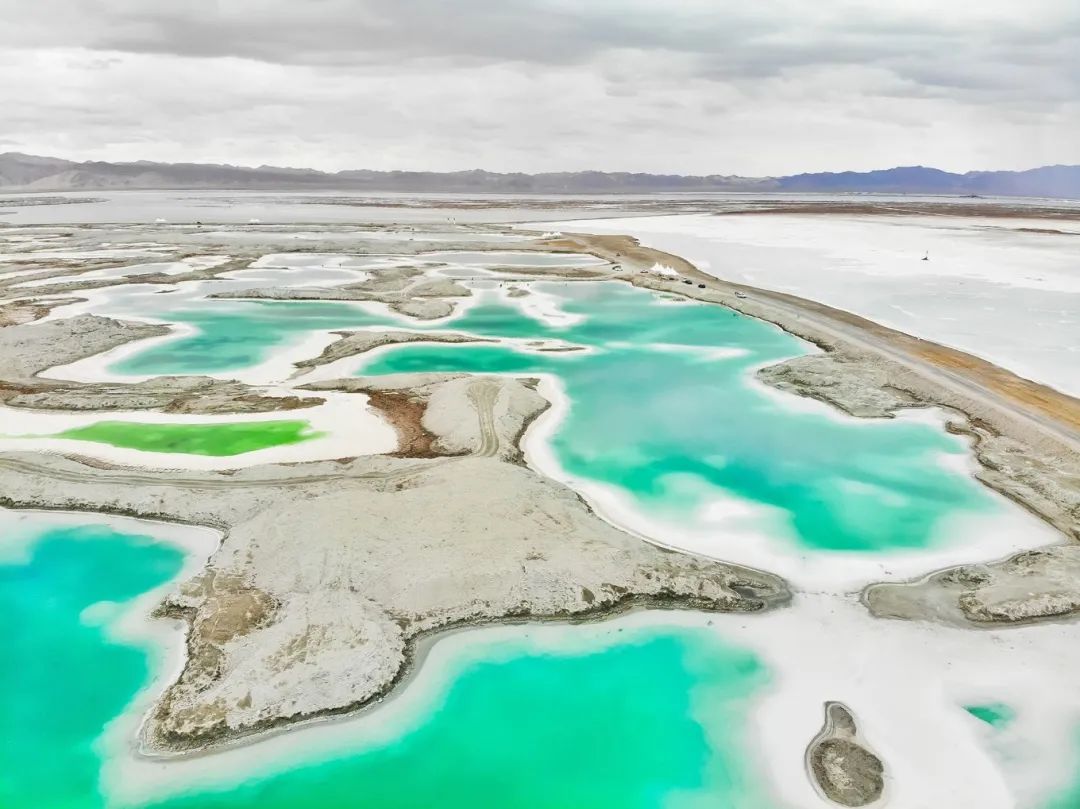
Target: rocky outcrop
{"x": 1038, "y": 585}
{"x": 405, "y": 290}
{"x": 855, "y": 386}
{"x": 1042, "y": 476}
{"x": 353, "y": 343}
{"x": 841, "y": 766}
{"x": 27, "y": 310}
{"x": 27, "y": 350}
{"x": 170, "y": 394}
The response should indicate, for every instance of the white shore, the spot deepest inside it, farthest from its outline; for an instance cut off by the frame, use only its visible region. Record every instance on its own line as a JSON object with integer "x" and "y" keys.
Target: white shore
{"x": 272, "y": 370}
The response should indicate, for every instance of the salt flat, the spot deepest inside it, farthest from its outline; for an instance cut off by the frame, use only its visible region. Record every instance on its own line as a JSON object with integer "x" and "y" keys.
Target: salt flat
{"x": 986, "y": 280}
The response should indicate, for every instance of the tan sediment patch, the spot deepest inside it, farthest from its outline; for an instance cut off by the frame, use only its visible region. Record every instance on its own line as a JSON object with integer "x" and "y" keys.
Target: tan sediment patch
{"x": 1024, "y": 393}
{"x": 235, "y": 610}
{"x": 620, "y": 250}
{"x": 21, "y": 312}
{"x": 406, "y": 413}
{"x": 840, "y": 765}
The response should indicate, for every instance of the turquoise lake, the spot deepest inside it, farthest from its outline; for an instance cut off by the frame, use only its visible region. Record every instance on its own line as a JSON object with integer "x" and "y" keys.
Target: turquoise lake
{"x": 235, "y": 335}
{"x": 621, "y": 725}
{"x": 656, "y": 413}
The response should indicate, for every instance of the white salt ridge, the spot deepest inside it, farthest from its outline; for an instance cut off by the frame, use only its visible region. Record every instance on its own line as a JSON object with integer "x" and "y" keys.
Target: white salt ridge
{"x": 88, "y": 254}
{"x": 543, "y": 307}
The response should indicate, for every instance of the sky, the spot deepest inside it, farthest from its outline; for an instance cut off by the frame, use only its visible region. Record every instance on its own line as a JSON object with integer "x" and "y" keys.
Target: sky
{"x": 753, "y": 87}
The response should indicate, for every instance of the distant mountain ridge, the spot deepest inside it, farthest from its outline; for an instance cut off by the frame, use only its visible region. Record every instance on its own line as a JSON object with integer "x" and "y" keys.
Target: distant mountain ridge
{"x": 21, "y": 172}
{"x": 1061, "y": 182}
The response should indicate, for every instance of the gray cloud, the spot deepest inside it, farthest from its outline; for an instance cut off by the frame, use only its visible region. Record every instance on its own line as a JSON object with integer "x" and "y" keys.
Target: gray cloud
{"x": 753, "y": 39}
{"x": 698, "y": 85}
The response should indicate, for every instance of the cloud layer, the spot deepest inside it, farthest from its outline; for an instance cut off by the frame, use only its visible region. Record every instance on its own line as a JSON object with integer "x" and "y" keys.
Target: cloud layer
{"x": 697, "y": 86}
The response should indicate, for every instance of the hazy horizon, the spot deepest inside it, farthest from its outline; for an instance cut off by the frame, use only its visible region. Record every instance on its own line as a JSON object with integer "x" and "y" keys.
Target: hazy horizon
{"x": 300, "y": 167}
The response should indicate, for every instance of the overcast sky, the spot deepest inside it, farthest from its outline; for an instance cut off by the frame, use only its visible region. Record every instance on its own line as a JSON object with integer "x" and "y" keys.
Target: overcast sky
{"x": 753, "y": 87}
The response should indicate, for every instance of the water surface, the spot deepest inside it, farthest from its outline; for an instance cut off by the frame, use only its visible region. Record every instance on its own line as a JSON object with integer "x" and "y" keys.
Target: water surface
{"x": 232, "y": 438}
{"x": 664, "y": 407}
{"x": 664, "y": 410}
{"x": 232, "y": 335}
{"x": 995, "y": 714}
{"x": 654, "y": 719}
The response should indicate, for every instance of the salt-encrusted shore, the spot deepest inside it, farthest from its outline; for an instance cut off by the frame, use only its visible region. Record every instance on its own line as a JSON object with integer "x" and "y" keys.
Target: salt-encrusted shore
{"x": 28, "y": 350}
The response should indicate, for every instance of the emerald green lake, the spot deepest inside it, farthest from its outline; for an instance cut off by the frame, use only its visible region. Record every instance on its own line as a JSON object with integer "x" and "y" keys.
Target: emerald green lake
{"x": 656, "y": 719}
{"x": 995, "y": 714}
{"x": 195, "y": 439}
{"x": 232, "y": 335}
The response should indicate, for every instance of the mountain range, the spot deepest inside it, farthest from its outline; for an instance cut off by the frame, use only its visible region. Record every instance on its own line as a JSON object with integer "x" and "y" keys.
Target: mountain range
{"x": 21, "y": 172}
